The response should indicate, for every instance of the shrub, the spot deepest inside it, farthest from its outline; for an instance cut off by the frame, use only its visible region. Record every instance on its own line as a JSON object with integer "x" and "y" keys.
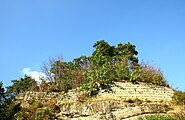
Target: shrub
{"x": 156, "y": 117}
{"x": 85, "y": 87}
{"x": 44, "y": 114}
{"x": 36, "y": 105}
{"x": 91, "y": 88}
{"x": 52, "y": 102}
{"x": 179, "y": 97}
{"x": 180, "y": 115}
{"x": 98, "y": 71}
{"x": 82, "y": 97}
{"x": 148, "y": 74}
{"x": 163, "y": 117}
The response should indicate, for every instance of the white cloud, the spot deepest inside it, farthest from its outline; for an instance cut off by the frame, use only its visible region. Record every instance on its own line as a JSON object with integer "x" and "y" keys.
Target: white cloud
{"x": 34, "y": 74}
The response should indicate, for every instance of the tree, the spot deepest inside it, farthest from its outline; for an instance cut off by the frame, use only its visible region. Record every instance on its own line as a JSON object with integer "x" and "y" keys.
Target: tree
{"x": 20, "y": 86}
{"x": 127, "y": 51}
{"x": 102, "y": 54}
{"x": 46, "y": 70}
{"x": 83, "y": 65}
{"x": 66, "y": 74}
{"x": 2, "y": 94}
{"x": 82, "y": 62}
{"x": 106, "y": 64}
{"x": 8, "y": 106}
{"x": 110, "y": 61}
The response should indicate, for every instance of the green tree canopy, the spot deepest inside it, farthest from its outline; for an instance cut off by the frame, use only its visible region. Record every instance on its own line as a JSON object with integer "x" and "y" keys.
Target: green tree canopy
{"x": 21, "y": 85}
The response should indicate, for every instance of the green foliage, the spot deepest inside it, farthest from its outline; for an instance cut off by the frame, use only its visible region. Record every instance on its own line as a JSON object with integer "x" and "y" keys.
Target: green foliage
{"x": 36, "y": 105}
{"x": 103, "y": 53}
{"x": 106, "y": 64}
{"x": 43, "y": 114}
{"x": 24, "y": 115}
{"x": 82, "y": 62}
{"x": 8, "y": 107}
{"x": 157, "y": 117}
{"x": 136, "y": 75}
{"x": 91, "y": 87}
{"x": 179, "y": 97}
{"x": 21, "y": 85}
{"x": 8, "y": 110}
{"x": 69, "y": 75}
{"x": 3, "y": 104}
{"x": 85, "y": 87}
{"x": 38, "y": 111}
{"x": 63, "y": 75}
{"x": 148, "y": 74}
{"x": 98, "y": 71}
{"x": 111, "y": 63}
{"x": 128, "y": 52}
{"x": 104, "y": 75}
{"x": 2, "y": 94}
{"x": 121, "y": 70}
{"x": 162, "y": 117}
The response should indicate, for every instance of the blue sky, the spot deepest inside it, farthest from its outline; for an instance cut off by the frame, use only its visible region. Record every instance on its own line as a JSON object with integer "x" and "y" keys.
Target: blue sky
{"x": 31, "y": 31}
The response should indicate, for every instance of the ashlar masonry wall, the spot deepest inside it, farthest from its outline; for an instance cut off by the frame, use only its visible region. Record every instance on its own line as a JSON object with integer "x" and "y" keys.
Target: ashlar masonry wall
{"x": 141, "y": 91}
{"x": 119, "y": 91}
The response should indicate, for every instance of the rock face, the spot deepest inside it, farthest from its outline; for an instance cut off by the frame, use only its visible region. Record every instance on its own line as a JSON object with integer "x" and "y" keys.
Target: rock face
{"x": 108, "y": 110}
{"x": 122, "y": 101}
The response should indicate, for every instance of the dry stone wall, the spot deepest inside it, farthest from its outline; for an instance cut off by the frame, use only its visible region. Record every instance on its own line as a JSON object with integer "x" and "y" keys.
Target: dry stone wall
{"x": 70, "y": 96}
{"x": 124, "y": 100}
{"x": 119, "y": 91}
{"x": 141, "y": 91}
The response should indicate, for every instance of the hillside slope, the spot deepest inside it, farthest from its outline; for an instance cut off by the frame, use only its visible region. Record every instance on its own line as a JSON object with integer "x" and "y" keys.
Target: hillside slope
{"x": 123, "y": 100}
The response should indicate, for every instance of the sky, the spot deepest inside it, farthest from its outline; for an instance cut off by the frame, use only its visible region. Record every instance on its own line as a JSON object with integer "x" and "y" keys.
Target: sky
{"x": 32, "y": 31}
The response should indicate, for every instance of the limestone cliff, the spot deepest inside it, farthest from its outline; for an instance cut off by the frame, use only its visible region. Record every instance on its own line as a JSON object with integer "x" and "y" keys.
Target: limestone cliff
{"x": 123, "y": 100}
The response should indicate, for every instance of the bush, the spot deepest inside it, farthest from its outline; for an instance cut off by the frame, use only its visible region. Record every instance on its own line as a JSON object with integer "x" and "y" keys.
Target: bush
{"x": 43, "y": 113}
{"x": 179, "y": 98}
{"x": 148, "y": 74}
{"x": 180, "y": 115}
{"x": 98, "y": 71}
{"x": 36, "y": 105}
{"x": 92, "y": 88}
{"x": 163, "y": 117}
{"x": 82, "y": 97}
{"x": 156, "y": 117}
{"x": 85, "y": 87}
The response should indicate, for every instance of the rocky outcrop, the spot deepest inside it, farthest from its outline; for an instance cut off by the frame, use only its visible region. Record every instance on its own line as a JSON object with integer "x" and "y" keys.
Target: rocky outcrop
{"x": 123, "y": 100}
{"x": 108, "y": 110}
